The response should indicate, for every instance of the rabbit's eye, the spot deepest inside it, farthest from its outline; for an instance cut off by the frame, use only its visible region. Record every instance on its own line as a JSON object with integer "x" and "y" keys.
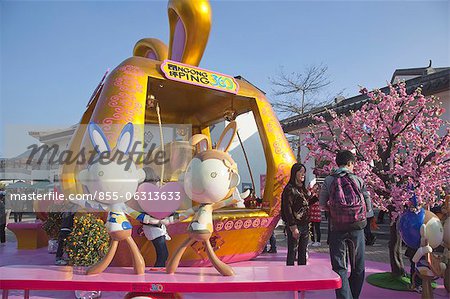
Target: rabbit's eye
{"x": 101, "y": 173}
{"x": 213, "y": 174}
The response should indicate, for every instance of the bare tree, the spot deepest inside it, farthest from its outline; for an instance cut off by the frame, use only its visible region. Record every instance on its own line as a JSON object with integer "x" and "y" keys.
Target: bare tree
{"x": 293, "y": 91}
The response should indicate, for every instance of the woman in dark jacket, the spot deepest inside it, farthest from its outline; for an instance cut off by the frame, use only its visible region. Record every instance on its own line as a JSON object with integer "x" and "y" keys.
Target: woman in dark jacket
{"x": 295, "y": 202}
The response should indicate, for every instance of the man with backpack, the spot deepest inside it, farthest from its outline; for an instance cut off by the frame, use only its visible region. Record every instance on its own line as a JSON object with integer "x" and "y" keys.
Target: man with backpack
{"x": 345, "y": 197}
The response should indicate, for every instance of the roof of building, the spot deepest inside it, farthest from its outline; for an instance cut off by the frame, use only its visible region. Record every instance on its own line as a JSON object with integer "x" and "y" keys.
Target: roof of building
{"x": 432, "y": 83}
{"x": 18, "y": 185}
{"x": 45, "y": 136}
{"x": 401, "y": 74}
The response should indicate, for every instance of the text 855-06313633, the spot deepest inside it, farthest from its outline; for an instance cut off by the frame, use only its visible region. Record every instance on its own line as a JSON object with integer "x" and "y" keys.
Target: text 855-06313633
{"x": 140, "y": 195}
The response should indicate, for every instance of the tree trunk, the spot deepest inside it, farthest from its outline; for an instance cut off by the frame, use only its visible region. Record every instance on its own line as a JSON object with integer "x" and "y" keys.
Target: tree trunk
{"x": 303, "y": 103}
{"x": 395, "y": 251}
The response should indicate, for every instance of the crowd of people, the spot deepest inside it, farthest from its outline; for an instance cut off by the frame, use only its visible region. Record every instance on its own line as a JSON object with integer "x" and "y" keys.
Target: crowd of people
{"x": 344, "y": 198}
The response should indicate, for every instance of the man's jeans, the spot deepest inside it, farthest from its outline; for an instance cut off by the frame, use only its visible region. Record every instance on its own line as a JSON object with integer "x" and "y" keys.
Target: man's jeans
{"x": 351, "y": 287}
{"x": 161, "y": 251}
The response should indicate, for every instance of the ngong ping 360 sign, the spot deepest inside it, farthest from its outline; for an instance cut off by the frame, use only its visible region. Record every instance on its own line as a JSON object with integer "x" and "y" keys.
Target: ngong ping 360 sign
{"x": 196, "y": 76}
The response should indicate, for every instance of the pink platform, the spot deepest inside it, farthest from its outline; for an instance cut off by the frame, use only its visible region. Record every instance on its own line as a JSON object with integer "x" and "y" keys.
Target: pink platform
{"x": 186, "y": 280}
{"x": 9, "y": 256}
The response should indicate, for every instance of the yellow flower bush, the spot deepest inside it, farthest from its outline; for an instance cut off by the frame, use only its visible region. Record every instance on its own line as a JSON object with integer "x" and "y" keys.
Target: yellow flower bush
{"x": 88, "y": 242}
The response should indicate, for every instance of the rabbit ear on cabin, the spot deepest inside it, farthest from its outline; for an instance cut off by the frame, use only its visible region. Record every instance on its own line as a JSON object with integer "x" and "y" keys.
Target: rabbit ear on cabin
{"x": 227, "y": 137}
{"x": 200, "y": 142}
{"x": 126, "y": 138}
{"x": 190, "y": 24}
{"x": 98, "y": 138}
{"x": 235, "y": 179}
{"x": 151, "y": 48}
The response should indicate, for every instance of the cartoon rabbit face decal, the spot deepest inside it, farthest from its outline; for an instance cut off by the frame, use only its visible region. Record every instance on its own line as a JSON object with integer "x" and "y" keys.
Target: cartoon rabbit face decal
{"x": 212, "y": 174}
{"x": 113, "y": 171}
{"x": 209, "y": 181}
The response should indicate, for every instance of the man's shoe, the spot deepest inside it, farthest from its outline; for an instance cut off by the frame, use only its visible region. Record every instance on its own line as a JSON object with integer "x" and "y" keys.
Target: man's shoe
{"x": 272, "y": 250}
{"x": 61, "y": 262}
{"x": 87, "y": 294}
{"x": 418, "y": 289}
{"x": 371, "y": 241}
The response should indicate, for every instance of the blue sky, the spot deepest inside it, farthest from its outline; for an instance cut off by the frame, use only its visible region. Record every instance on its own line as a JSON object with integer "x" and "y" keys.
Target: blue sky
{"x": 54, "y": 53}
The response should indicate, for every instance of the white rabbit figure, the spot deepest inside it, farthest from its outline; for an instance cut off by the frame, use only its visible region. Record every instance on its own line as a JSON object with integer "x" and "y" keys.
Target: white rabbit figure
{"x": 211, "y": 179}
{"x": 427, "y": 264}
{"x": 113, "y": 182}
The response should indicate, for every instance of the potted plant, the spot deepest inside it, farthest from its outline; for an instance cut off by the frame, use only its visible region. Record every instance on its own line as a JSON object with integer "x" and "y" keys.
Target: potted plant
{"x": 88, "y": 242}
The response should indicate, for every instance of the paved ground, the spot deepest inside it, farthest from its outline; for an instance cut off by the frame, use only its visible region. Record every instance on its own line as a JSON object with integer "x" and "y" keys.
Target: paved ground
{"x": 9, "y": 255}
{"x": 379, "y": 252}
{"x": 377, "y": 259}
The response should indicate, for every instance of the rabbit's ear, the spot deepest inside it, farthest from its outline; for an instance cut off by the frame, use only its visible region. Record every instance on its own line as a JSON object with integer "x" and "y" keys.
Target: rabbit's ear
{"x": 235, "y": 180}
{"x": 227, "y": 137}
{"x": 245, "y": 194}
{"x": 98, "y": 138}
{"x": 201, "y": 142}
{"x": 126, "y": 138}
{"x": 190, "y": 23}
{"x": 151, "y": 48}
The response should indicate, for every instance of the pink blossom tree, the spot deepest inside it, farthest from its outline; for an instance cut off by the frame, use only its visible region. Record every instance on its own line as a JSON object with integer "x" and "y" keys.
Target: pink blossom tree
{"x": 399, "y": 140}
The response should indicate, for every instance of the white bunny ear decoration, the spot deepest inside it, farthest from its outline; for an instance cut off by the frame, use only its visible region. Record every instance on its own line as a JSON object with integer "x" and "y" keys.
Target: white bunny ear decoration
{"x": 235, "y": 179}
{"x": 98, "y": 138}
{"x": 227, "y": 137}
{"x": 201, "y": 142}
{"x": 126, "y": 138}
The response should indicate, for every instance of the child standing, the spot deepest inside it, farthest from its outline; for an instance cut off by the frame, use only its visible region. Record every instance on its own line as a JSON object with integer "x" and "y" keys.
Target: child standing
{"x": 315, "y": 217}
